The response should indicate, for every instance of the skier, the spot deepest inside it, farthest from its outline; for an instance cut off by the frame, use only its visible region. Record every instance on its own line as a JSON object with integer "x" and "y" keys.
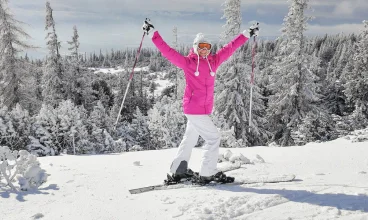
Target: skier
{"x": 199, "y": 68}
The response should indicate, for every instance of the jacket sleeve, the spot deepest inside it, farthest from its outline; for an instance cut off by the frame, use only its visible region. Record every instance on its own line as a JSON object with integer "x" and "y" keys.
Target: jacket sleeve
{"x": 224, "y": 53}
{"x": 172, "y": 55}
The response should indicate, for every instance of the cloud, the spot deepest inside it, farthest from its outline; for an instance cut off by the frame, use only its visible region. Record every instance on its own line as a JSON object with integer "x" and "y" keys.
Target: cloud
{"x": 344, "y": 8}
{"x": 319, "y": 30}
{"x": 352, "y": 8}
{"x": 106, "y": 24}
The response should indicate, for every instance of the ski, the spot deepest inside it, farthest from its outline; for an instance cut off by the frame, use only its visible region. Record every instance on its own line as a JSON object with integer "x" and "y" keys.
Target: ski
{"x": 241, "y": 181}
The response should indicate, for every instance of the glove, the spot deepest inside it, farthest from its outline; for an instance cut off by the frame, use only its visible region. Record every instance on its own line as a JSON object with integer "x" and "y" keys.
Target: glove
{"x": 252, "y": 31}
{"x": 147, "y": 26}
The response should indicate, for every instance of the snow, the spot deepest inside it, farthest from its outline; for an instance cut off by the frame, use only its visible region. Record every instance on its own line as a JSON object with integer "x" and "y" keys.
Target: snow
{"x": 331, "y": 183}
{"x": 117, "y": 70}
{"x": 137, "y": 163}
{"x": 161, "y": 80}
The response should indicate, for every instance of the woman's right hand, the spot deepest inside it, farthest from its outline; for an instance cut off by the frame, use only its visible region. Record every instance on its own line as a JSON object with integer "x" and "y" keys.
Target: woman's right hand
{"x": 252, "y": 31}
{"x": 147, "y": 26}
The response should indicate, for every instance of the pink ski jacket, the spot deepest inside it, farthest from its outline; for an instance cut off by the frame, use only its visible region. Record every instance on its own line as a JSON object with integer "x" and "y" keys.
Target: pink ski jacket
{"x": 199, "y": 90}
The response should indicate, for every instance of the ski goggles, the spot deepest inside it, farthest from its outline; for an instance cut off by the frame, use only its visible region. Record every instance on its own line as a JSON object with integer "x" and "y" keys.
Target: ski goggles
{"x": 203, "y": 46}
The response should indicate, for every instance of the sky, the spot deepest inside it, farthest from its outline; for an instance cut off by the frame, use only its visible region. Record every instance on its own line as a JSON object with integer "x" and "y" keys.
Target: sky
{"x": 116, "y": 24}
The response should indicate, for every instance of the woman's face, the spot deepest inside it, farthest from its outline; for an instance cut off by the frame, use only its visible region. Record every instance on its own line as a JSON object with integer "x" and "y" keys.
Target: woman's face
{"x": 204, "y": 49}
{"x": 203, "y": 52}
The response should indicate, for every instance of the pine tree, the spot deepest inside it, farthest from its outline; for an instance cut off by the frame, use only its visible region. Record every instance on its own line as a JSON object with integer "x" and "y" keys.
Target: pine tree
{"x": 7, "y": 132}
{"x": 140, "y": 130}
{"x": 232, "y": 96}
{"x": 166, "y": 123}
{"x": 356, "y": 87}
{"x": 232, "y": 100}
{"x": 99, "y": 125}
{"x": 228, "y": 139}
{"x": 72, "y": 133}
{"x": 32, "y": 98}
{"x": 22, "y": 122}
{"x": 12, "y": 69}
{"x": 179, "y": 79}
{"x": 53, "y": 91}
{"x": 76, "y": 81}
{"x": 232, "y": 14}
{"x": 333, "y": 86}
{"x": 232, "y": 75}
{"x": 293, "y": 82}
{"x": 46, "y": 131}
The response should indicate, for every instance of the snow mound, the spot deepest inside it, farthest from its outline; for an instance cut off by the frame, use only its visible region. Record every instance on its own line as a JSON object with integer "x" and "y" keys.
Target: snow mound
{"x": 227, "y": 155}
{"x": 233, "y": 158}
{"x": 22, "y": 165}
{"x": 239, "y": 157}
{"x": 258, "y": 159}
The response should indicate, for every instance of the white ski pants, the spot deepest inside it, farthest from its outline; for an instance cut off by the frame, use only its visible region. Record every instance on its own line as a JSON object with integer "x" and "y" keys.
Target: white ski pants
{"x": 198, "y": 125}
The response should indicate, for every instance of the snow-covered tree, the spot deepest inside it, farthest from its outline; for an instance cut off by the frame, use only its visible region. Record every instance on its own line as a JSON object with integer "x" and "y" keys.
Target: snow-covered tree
{"x": 74, "y": 45}
{"x": 32, "y": 95}
{"x": 356, "y": 87}
{"x": 8, "y": 134}
{"x": 232, "y": 75}
{"x": 53, "y": 91}
{"x": 232, "y": 98}
{"x": 72, "y": 135}
{"x": 99, "y": 126}
{"x": 22, "y": 165}
{"x": 293, "y": 81}
{"x": 140, "y": 130}
{"x": 75, "y": 82}
{"x": 314, "y": 127}
{"x": 228, "y": 139}
{"x": 102, "y": 92}
{"x": 21, "y": 122}
{"x": 45, "y": 130}
{"x": 333, "y": 71}
{"x": 60, "y": 129}
{"x": 12, "y": 69}
{"x": 232, "y": 14}
{"x": 15, "y": 126}
{"x": 179, "y": 76}
{"x": 166, "y": 123}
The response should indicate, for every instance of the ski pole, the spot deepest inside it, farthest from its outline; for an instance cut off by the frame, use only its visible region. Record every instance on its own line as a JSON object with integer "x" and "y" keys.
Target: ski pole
{"x": 130, "y": 80}
{"x": 252, "y": 81}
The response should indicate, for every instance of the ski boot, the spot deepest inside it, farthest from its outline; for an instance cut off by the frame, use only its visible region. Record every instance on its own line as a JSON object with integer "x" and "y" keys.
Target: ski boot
{"x": 179, "y": 177}
{"x": 219, "y": 177}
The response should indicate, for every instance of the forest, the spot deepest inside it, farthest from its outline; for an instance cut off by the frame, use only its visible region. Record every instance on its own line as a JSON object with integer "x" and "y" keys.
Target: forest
{"x": 307, "y": 89}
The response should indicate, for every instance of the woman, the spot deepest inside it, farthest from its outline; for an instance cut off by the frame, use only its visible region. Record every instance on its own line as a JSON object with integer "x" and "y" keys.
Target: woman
{"x": 199, "y": 68}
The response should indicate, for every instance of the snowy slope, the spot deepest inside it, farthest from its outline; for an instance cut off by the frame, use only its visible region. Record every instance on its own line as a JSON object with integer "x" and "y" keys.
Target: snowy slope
{"x": 332, "y": 183}
{"x": 117, "y": 70}
{"x": 159, "y": 77}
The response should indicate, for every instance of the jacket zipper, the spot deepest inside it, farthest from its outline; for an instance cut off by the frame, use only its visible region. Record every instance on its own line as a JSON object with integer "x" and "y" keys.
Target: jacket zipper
{"x": 205, "y": 101}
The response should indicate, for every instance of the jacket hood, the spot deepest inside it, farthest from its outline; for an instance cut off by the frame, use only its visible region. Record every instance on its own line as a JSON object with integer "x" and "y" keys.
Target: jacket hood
{"x": 192, "y": 53}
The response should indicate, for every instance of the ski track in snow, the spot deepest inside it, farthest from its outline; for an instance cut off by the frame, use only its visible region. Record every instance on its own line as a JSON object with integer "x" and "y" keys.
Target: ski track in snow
{"x": 95, "y": 187}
